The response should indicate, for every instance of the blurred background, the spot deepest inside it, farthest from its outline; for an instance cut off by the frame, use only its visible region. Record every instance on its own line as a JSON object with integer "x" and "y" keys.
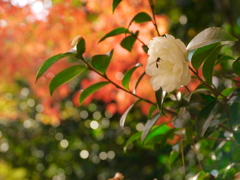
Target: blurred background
{"x": 44, "y": 137}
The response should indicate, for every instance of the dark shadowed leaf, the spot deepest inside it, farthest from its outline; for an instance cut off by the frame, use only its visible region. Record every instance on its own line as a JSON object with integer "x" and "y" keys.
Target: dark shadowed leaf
{"x": 49, "y": 62}
{"x": 91, "y": 89}
{"x": 124, "y": 116}
{"x": 140, "y": 18}
{"x": 204, "y": 118}
{"x": 183, "y": 119}
{"x": 151, "y": 110}
{"x": 65, "y": 76}
{"x": 117, "y": 31}
{"x": 138, "y": 81}
{"x": 134, "y": 137}
{"x": 149, "y": 125}
{"x": 236, "y": 135}
{"x": 236, "y": 153}
{"x": 189, "y": 134}
{"x": 115, "y": 3}
{"x": 159, "y": 94}
{"x": 224, "y": 58}
{"x": 81, "y": 47}
{"x": 172, "y": 158}
{"x": 209, "y": 36}
{"x": 101, "y": 62}
{"x": 209, "y": 63}
{"x": 201, "y": 54}
{"x": 127, "y": 76}
{"x": 236, "y": 66}
{"x": 145, "y": 48}
{"x": 128, "y": 42}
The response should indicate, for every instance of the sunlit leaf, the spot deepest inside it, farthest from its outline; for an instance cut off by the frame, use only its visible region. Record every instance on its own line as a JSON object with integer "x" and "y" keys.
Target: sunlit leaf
{"x": 117, "y": 31}
{"x": 49, "y": 62}
{"x": 149, "y": 125}
{"x": 101, "y": 62}
{"x": 205, "y": 117}
{"x": 127, "y": 76}
{"x": 226, "y": 92}
{"x": 115, "y": 3}
{"x": 236, "y": 66}
{"x": 91, "y": 89}
{"x": 124, "y": 116}
{"x": 201, "y": 54}
{"x": 209, "y": 63}
{"x": 183, "y": 119}
{"x": 128, "y": 42}
{"x": 140, "y": 18}
{"x": 81, "y": 47}
{"x": 134, "y": 137}
{"x": 65, "y": 76}
{"x": 209, "y": 36}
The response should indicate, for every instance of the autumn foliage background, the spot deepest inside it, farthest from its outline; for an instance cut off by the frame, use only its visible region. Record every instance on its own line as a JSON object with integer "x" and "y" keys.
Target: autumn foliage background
{"x": 30, "y": 118}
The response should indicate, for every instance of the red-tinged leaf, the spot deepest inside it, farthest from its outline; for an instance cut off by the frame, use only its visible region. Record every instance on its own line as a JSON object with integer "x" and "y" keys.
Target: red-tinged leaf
{"x": 124, "y": 116}
{"x": 115, "y": 3}
{"x": 149, "y": 126}
{"x": 127, "y": 76}
{"x": 49, "y": 62}
{"x": 91, "y": 89}
{"x": 102, "y": 61}
{"x": 117, "y": 31}
{"x": 65, "y": 76}
{"x": 209, "y": 36}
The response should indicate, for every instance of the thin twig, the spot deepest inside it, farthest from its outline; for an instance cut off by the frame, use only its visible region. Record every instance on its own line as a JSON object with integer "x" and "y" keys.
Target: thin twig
{"x": 153, "y": 15}
{"x": 134, "y": 35}
{"x": 199, "y": 161}
{"x": 183, "y": 161}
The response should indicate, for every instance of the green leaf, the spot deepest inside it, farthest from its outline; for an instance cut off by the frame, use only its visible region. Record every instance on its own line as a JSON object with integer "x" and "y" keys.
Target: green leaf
{"x": 149, "y": 126}
{"x": 209, "y": 63}
{"x": 189, "y": 134}
{"x": 140, "y": 18}
{"x": 128, "y": 42}
{"x": 137, "y": 83}
{"x": 101, "y": 62}
{"x": 115, "y": 4}
{"x": 236, "y": 135}
{"x": 91, "y": 89}
{"x": 123, "y": 117}
{"x": 226, "y": 92}
{"x": 209, "y": 36}
{"x": 134, "y": 137}
{"x": 81, "y": 47}
{"x": 151, "y": 110}
{"x": 145, "y": 48}
{"x": 201, "y": 54}
{"x": 159, "y": 94}
{"x": 65, "y": 76}
{"x": 172, "y": 158}
{"x": 236, "y": 66}
{"x": 224, "y": 58}
{"x": 183, "y": 119}
{"x": 127, "y": 76}
{"x": 236, "y": 153}
{"x": 49, "y": 62}
{"x": 117, "y": 31}
{"x": 204, "y": 118}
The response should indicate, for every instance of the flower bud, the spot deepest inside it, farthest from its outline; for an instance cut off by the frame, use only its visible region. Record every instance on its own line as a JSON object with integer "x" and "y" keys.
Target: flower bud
{"x": 76, "y": 40}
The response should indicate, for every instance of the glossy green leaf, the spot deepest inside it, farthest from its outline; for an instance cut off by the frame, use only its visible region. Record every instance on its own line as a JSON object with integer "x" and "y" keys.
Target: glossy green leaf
{"x": 159, "y": 94}
{"x": 117, "y": 31}
{"x": 205, "y": 117}
{"x": 209, "y": 63}
{"x": 102, "y": 61}
{"x": 128, "y": 42}
{"x": 137, "y": 82}
{"x": 81, "y": 47}
{"x": 172, "y": 158}
{"x": 133, "y": 138}
{"x": 201, "y": 54}
{"x": 183, "y": 119}
{"x": 91, "y": 89}
{"x": 149, "y": 125}
{"x": 151, "y": 110}
{"x": 224, "y": 58}
{"x": 145, "y": 48}
{"x": 49, "y": 62}
{"x": 140, "y": 18}
{"x": 65, "y": 76}
{"x": 236, "y": 66}
{"x": 127, "y": 76}
{"x": 115, "y": 3}
{"x": 124, "y": 116}
{"x": 209, "y": 36}
{"x": 226, "y": 92}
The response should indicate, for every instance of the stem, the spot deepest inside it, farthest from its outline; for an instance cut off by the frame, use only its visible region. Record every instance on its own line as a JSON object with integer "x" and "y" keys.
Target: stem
{"x": 127, "y": 91}
{"x": 134, "y": 35}
{"x": 183, "y": 161}
{"x": 153, "y": 15}
{"x": 199, "y": 162}
{"x": 215, "y": 92}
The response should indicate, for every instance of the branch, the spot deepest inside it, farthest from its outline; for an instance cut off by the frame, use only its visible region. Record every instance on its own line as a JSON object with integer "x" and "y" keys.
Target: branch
{"x": 153, "y": 15}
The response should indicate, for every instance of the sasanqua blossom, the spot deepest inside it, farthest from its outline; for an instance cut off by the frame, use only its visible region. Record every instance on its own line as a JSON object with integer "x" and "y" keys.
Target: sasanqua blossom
{"x": 167, "y": 64}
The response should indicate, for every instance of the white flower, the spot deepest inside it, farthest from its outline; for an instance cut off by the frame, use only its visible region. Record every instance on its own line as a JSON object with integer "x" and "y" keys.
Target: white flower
{"x": 167, "y": 63}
